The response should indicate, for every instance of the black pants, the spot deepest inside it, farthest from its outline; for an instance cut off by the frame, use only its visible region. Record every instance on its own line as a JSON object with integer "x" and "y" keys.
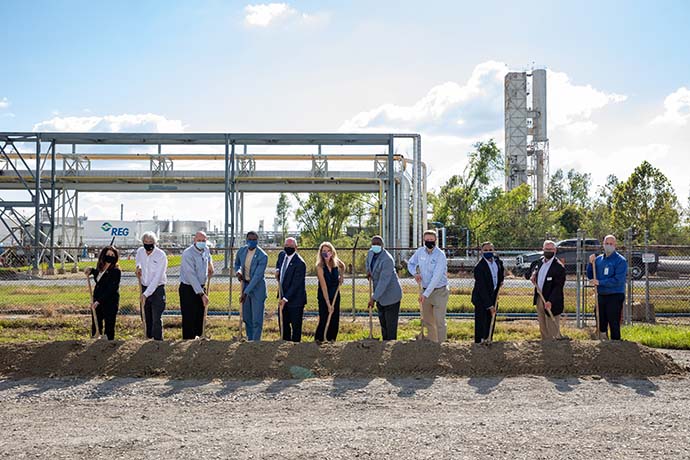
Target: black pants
{"x": 105, "y": 314}
{"x": 332, "y": 332}
{"x": 292, "y": 323}
{"x": 482, "y": 323}
{"x": 610, "y": 311}
{"x": 388, "y": 317}
{"x": 153, "y": 313}
{"x": 192, "y": 308}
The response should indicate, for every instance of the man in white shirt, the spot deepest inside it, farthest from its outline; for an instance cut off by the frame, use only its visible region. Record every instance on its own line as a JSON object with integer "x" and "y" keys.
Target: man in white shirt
{"x": 151, "y": 264}
{"x": 548, "y": 276}
{"x": 433, "y": 266}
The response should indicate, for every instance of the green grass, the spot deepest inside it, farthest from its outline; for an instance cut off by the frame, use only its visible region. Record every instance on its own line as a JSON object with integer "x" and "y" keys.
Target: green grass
{"x": 658, "y": 336}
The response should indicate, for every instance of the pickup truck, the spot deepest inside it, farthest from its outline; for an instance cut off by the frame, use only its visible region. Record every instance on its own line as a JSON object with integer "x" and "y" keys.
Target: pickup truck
{"x": 567, "y": 253}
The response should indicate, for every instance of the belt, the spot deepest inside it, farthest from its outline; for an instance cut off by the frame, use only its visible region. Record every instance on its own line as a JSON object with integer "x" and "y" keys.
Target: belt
{"x": 436, "y": 289}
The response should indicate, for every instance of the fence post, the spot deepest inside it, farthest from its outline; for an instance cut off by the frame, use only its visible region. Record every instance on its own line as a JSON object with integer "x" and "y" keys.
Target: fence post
{"x": 647, "y": 314}
{"x": 627, "y": 308}
{"x": 578, "y": 278}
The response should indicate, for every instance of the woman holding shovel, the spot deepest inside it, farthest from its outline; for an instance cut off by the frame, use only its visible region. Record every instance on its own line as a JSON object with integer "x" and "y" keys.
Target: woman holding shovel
{"x": 106, "y": 295}
{"x": 329, "y": 270}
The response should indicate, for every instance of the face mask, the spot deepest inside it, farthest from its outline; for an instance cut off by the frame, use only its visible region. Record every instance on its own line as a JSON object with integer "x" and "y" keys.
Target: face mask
{"x": 288, "y": 250}
{"x": 200, "y": 245}
{"x": 430, "y": 244}
{"x": 488, "y": 255}
{"x": 252, "y": 244}
{"x": 110, "y": 259}
{"x": 376, "y": 249}
{"x": 148, "y": 247}
{"x": 326, "y": 255}
{"x": 548, "y": 254}
{"x": 609, "y": 248}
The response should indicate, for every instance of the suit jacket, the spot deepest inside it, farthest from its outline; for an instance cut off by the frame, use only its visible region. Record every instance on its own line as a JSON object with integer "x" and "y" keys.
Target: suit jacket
{"x": 107, "y": 289}
{"x": 292, "y": 282}
{"x": 483, "y": 293}
{"x": 553, "y": 284}
{"x": 386, "y": 285}
{"x": 256, "y": 287}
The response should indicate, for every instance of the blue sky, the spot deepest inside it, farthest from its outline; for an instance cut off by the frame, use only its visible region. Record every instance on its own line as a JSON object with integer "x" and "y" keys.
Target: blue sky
{"x": 619, "y": 73}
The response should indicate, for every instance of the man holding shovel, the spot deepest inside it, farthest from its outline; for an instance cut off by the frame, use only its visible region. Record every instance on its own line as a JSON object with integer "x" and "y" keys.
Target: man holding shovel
{"x": 611, "y": 273}
{"x": 548, "y": 277}
{"x": 488, "y": 278}
{"x": 195, "y": 268}
{"x": 387, "y": 293}
{"x": 151, "y": 264}
{"x": 291, "y": 275}
{"x": 250, "y": 268}
{"x": 433, "y": 277}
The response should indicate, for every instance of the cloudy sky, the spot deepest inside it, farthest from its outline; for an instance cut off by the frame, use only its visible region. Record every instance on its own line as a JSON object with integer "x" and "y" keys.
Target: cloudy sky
{"x": 618, "y": 78}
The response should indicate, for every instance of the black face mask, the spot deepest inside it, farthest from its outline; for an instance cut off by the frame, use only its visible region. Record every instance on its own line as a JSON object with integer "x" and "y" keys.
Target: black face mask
{"x": 430, "y": 244}
{"x": 548, "y": 254}
{"x": 288, "y": 250}
{"x": 110, "y": 259}
{"x": 149, "y": 247}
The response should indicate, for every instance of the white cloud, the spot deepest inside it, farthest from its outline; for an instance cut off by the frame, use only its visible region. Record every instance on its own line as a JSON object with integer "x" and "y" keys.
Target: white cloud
{"x": 475, "y": 107}
{"x": 267, "y": 14}
{"x": 145, "y": 123}
{"x": 676, "y": 108}
{"x": 4, "y": 103}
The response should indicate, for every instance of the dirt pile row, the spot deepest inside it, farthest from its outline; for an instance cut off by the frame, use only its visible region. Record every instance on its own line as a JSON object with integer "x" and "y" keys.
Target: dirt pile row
{"x": 262, "y": 360}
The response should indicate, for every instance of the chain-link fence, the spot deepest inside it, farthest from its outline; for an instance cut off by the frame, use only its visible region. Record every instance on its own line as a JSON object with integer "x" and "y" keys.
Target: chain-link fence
{"x": 658, "y": 282}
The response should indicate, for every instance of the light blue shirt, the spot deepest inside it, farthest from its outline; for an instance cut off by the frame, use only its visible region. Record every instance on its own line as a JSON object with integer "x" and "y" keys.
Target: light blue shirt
{"x": 432, "y": 267}
{"x": 194, "y": 268}
{"x": 493, "y": 266}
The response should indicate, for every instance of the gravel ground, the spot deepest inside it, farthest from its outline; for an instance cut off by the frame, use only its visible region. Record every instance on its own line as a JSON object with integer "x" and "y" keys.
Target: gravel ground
{"x": 511, "y": 418}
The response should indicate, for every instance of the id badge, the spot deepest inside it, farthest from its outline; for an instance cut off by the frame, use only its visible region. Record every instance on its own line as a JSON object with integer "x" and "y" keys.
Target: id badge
{"x": 606, "y": 271}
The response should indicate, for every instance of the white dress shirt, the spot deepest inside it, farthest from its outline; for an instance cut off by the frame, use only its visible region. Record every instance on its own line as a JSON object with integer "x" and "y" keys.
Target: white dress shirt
{"x": 541, "y": 276}
{"x": 283, "y": 268}
{"x": 153, "y": 267}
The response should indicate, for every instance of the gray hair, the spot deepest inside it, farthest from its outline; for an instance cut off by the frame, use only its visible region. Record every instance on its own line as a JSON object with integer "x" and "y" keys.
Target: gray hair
{"x": 549, "y": 242}
{"x": 150, "y": 235}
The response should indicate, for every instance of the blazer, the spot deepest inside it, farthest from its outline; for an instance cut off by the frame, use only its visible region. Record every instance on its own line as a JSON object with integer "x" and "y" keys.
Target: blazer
{"x": 387, "y": 289}
{"x": 553, "y": 284}
{"x": 293, "y": 282}
{"x": 256, "y": 287}
{"x": 483, "y": 292}
{"x": 107, "y": 289}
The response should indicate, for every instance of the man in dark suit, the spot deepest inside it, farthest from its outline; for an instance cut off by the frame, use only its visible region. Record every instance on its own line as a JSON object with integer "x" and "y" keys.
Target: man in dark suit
{"x": 548, "y": 275}
{"x": 291, "y": 272}
{"x": 488, "y": 278}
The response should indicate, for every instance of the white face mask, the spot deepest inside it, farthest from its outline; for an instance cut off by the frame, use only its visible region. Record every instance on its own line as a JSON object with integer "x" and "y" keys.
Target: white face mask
{"x": 609, "y": 248}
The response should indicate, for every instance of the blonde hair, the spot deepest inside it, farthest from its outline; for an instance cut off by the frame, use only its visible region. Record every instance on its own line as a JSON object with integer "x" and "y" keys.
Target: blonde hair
{"x": 334, "y": 258}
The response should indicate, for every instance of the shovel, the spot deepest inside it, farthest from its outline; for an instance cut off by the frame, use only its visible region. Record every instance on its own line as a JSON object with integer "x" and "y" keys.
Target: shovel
{"x": 493, "y": 322}
{"x": 330, "y": 313}
{"x": 94, "y": 329}
{"x": 550, "y": 314}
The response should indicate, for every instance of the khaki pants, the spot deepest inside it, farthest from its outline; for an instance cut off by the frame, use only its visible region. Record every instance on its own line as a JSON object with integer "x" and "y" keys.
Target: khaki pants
{"x": 549, "y": 328}
{"x": 434, "y": 314}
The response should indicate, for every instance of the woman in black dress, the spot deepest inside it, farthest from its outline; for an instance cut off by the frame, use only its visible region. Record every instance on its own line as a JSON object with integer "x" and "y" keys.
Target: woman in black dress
{"x": 329, "y": 270}
{"x": 106, "y": 295}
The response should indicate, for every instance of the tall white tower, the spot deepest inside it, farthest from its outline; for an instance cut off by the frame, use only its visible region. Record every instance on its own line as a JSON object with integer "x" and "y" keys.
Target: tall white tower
{"x": 527, "y": 143}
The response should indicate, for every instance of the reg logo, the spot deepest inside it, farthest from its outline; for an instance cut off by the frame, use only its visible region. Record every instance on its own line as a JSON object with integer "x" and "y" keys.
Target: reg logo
{"x": 114, "y": 231}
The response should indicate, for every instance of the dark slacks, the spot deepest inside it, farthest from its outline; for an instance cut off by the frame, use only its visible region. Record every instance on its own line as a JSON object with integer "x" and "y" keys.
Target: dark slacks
{"x": 105, "y": 319}
{"x": 192, "y": 308}
{"x": 482, "y": 323}
{"x": 388, "y": 318}
{"x": 332, "y": 332}
{"x": 153, "y": 313}
{"x": 292, "y": 323}
{"x": 610, "y": 311}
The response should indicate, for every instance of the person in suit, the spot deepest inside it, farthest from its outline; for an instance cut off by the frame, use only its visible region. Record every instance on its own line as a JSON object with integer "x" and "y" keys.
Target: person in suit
{"x": 329, "y": 271}
{"x": 106, "y": 294}
{"x": 195, "y": 269}
{"x": 548, "y": 275}
{"x": 387, "y": 292}
{"x": 250, "y": 267}
{"x": 291, "y": 274}
{"x": 488, "y": 278}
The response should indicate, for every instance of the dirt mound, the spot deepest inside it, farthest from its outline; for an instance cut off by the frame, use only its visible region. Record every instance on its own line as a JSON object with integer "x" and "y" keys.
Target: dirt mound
{"x": 228, "y": 360}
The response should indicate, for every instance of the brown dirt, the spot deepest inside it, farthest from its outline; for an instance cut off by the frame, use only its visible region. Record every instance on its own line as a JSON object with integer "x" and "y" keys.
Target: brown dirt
{"x": 228, "y": 360}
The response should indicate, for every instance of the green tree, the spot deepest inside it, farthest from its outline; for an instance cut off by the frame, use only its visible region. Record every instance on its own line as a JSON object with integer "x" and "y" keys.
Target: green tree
{"x": 282, "y": 212}
{"x": 458, "y": 198}
{"x": 646, "y": 201}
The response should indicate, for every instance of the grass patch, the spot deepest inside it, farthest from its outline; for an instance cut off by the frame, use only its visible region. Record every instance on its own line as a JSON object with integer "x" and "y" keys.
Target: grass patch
{"x": 658, "y": 336}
